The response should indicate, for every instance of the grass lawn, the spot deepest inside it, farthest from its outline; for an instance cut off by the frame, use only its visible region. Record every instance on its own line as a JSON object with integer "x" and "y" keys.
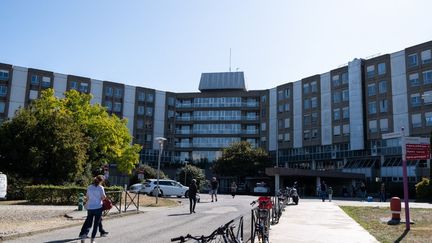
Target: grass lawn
{"x": 370, "y": 218}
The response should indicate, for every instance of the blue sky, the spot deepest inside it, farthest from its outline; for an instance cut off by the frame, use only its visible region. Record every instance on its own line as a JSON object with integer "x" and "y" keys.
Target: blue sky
{"x": 166, "y": 45}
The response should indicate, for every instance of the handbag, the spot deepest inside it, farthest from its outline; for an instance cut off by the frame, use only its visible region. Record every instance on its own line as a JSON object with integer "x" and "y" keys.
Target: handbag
{"x": 106, "y": 204}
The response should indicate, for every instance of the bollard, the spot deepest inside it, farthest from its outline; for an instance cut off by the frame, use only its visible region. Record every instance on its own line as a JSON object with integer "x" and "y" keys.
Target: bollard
{"x": 80, "y": 201}
{"x": 395, "y": 207}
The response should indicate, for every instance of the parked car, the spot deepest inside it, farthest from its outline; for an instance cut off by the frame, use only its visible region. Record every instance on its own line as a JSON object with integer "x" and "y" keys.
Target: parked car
{"x": 136, "y": 188}
{"x": 167, "y": 188}
{"x": 261, "y": 187}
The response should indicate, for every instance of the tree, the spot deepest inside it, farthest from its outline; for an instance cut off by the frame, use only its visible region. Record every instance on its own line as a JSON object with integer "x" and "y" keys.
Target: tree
{"x": 241, "y": 160}
{"x": 55, "y": 139}
{"x": 191, "y": 172}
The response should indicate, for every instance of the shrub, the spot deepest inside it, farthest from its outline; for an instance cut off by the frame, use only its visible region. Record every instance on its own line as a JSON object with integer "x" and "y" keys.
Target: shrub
{"x": 424, "y": 190}
{"x": 62, "y": 195}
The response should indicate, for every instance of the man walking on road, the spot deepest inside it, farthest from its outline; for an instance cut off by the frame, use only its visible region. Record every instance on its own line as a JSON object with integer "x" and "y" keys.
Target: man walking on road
{"x": 214, "y": 187}
{"x": 192, "y": 195}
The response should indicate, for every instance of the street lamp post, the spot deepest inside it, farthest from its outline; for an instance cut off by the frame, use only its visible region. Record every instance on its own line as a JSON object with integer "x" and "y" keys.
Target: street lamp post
{"x": 160, "y": 140}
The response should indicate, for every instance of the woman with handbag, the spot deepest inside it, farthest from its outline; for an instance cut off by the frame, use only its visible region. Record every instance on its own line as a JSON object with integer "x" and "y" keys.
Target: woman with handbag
{"x": 94, "y": 198}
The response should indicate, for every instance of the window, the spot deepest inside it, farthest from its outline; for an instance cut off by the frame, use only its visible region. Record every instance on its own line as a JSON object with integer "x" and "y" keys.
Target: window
{"x": 384, "y": 125}
{"x": 381, "y": 68}
{"x": 337, "y": 96}
{"x": 373, "y": 126}
{"x": 415, "y": 100}
{"x": 345, "y": 95}
{"x": 280, "y": 108}
{"x": 345, "y": 113}
{"x": 287, "y": 93}
{"x": 426, "y": 56}
{"x": 108, "y": 105}
{"x": 286, "y": 107}
{"x": 412, "y": 60}
{"x": 46, "y": 82}
{"x": 370, "y": 70}
{"x": 344, "y": 78}
{"x": 263, "y": 126}
{"x": 336, "y": 81}
{"x": 346, "y": 129}
{"x": 108, "y": 91}
{"x": 336, "y": 114}
{"x": 73, "y": 85}
{"x": 287, "y": 137}
{"x": 149, "y": 111}
{"x": 314, "y": 87}
{"x": 140, "y": 110}
{"x": 336, "y": 131}
{"x": 306, "y": 120}
{"x": 34, "y": 94}
{"x": 4, "y": 75}
{"x": 314, "y": 102}
{"x": 306, "y": 104}
{"x": 306, "y": 88}
{"x": 280, "y": 95}
{"x": 306, "y": 135}
{"x": 280, "y": 123}
{"x": 35, "y": 79}
{"x": 414, "y": 79}
{"x": 150, "y": 97}
{"x": 428, "y": 118}
{"x": 118, "y": 92}
{"x": 84, "y": 87}
{"x": 2, "y": 107}
{"x": 383, "y": 106}
{"x": 280, "y": 137}
{"x": 117, "y": 106}
{"x": 427, "y": 97}
{"x": 427, "y": 77}
{"x": 141, "y": 96}
{"x": 314, "y": 133}
{"x": 171, "y": 101}
{"x": 263, "y": 99}
{"x": 371, "y": 89}
{"x": 287, "y": 122}
{"x": 382, "y": 87}
{"x": 314, "y": 117}
{"x": 416, "y": 120}
{"x": 372, "y": 107}
{"x": 3, "y": 90}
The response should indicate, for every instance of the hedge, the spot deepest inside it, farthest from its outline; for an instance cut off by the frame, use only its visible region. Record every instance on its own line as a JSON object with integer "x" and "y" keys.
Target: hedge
{"x": 62, "y": 195}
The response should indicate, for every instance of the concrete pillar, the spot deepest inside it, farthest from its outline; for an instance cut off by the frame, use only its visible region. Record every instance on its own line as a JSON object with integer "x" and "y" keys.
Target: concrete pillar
{"x": 277, "y": 182}
{"x": 314, "y": 165}
{"x": 318, "y": 183}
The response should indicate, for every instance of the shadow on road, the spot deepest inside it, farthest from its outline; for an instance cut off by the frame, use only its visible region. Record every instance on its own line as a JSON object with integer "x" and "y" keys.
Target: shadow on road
{"x": 63, "y": 241}
{"x": 402, "y": 236}
{"x": 178, "y": 214}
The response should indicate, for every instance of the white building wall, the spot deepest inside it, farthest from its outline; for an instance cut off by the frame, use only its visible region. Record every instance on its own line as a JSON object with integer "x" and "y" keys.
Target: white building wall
{"x": 159, "y": 117}
{"x": 298, "y": 114}
{"x": 60, "y": 84}
{"x": 399, "y": 92}
{"x": 356, "y": 104}
{"x": 129, "y": 107}
{"x": 96, "y": 89}
{"x": 326, "y": 110}
{"x": 18, "y": 90}
{"x": 272, "y": 120}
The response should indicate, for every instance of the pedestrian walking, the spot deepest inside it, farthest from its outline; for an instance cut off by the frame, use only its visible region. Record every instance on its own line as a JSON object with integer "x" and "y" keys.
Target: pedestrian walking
{"x": 233, "y": 189}
{"x": 323, "y": 188}
{"x": 363, "y": 191}
{"x": 94, "y": 197}
{"x": 382, "y": 193}
{"x": 330, "y": 193}
{"x": 214, "y": 188}
{"x": 193, "y": 188}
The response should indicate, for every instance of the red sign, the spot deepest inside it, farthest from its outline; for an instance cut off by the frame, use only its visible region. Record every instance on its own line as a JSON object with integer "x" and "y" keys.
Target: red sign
{"x": 417, "y": 151}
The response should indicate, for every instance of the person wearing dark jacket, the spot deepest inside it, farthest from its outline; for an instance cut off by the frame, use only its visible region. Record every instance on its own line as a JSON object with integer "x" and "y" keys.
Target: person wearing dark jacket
{"x": 192, "y": 195}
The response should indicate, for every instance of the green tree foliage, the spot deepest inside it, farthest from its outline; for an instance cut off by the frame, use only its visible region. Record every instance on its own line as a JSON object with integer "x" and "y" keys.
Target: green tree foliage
{"x": 57, "y": 140}
{"x": 241, "y": 160}
{"x": 151, "y": 173}
{"x": 191, "y": 172}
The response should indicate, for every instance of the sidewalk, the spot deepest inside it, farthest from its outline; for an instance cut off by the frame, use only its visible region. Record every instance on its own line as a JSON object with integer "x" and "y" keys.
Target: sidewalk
{"x": 316, "y": 221}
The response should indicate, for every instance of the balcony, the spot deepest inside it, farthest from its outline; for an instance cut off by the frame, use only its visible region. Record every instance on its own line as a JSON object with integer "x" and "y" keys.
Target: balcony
{"x": 183, "y": 145}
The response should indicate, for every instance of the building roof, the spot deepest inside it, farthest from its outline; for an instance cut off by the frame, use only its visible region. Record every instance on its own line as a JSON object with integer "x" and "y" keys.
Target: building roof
{"x": 222, "y": 81}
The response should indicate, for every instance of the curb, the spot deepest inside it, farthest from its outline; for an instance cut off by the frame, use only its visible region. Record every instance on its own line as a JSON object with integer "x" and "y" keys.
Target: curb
{"x": 19, "y": 235}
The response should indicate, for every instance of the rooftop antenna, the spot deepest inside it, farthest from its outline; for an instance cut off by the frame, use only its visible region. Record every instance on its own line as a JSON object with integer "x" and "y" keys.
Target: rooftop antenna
{"x": 230, "y": 61}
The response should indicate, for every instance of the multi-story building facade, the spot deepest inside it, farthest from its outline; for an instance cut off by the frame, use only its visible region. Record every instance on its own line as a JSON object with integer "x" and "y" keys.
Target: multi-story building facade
{"x": 330, "y": 122}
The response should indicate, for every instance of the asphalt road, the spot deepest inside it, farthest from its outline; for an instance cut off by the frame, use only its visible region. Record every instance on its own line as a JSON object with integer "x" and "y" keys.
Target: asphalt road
{"x": 162, "y": 224}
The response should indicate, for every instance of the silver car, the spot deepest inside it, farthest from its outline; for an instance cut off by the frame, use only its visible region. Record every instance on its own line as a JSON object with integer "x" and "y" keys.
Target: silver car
{"x": 167, "y": 188}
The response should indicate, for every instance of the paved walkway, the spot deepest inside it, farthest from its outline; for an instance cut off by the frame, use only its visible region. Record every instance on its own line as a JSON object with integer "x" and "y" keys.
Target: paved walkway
{"x": 316, "y": 221}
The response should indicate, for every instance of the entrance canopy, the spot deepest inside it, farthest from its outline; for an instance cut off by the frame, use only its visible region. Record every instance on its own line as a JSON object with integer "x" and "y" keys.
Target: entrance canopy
{"x": 312, "y": 173}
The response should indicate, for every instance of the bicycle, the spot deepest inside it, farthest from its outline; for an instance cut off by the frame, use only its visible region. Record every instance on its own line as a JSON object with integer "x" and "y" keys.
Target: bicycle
{"x": 223, "y": 234}
{"x": 262, "y": 224}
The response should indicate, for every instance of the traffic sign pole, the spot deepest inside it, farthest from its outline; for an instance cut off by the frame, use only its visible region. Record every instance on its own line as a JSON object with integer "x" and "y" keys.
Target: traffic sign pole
{"x": 405, "y": 182}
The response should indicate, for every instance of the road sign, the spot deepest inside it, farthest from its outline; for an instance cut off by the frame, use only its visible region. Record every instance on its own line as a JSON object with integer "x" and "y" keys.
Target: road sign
{"x": 417, "y": 151}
